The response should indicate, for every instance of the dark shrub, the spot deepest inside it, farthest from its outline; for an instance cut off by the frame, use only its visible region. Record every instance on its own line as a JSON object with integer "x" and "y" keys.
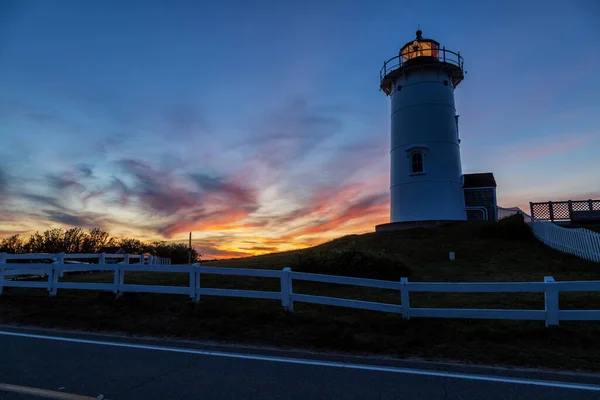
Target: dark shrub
{"x": 511, "y": 228}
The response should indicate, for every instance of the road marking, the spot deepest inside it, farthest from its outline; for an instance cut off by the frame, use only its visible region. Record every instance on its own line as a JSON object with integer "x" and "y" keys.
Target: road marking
{"x": 333, "y": 364}
{"x": 48, "y": 394}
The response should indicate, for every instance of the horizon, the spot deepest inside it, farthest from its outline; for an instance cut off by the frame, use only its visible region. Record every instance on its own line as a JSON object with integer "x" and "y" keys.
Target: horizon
{"x": 260, "y": 132}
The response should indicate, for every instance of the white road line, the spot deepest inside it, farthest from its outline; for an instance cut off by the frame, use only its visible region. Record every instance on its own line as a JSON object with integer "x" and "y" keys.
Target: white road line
{"x": 47, "y": 394}
{"x": 333, "y": 364}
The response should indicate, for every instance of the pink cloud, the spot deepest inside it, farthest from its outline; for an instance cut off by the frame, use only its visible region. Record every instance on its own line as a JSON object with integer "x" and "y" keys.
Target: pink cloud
{"x": 552, "y": 148}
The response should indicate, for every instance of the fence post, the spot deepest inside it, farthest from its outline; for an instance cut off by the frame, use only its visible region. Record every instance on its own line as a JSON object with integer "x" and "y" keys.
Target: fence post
{"x": 142, "y": 257}
{"x": 286, "y": 289}
{"x": 119, "y": 280}
{"x": 59, "y": 260}
{"x": 2, "y": 265}
{"x": 55, "y": 272}
{"x": 116, "y": 281}
{"x": 591, "y": 204}
{"x": 551, "y": 301}
{"x": 196, "y": 268}
{"x": 531, "y": 210}
{"x": 193, "y": 283}
{"x": 102, "y": 259}
{"x": 570, "y": 204}
{"x": 551, "y": 211}
{"x": 404, "y": 298}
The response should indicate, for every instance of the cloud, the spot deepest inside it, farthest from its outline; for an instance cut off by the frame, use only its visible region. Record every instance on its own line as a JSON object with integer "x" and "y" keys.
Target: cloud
{"x": 82, "y": 220}
{"x": 156, "y": 189}
{"x": 289, "y": 133}
{"x": 322, "y": 187}
{"x": 239, "y": 194}
{"x": 63, "y": 182}
{"x": 86, "y": 170}
{"x": 260, "y": 248}
{"x": 121, "y": 190}
{"x": 205, "y": 221}
{"x": 210, "y": 252}
{"x": 559, "y": 146}
{"x": 112, "y": 142}
{"x": 361, "y": 208}
{"x": 192, "y": 201}
{"x": 43, "y": 200}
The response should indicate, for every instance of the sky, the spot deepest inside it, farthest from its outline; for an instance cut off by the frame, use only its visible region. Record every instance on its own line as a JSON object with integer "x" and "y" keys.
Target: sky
{"x": 259, "y": 125}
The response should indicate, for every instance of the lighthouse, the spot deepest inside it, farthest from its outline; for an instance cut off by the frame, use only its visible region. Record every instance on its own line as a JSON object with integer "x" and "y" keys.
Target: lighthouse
{"x": 426, "y": 180}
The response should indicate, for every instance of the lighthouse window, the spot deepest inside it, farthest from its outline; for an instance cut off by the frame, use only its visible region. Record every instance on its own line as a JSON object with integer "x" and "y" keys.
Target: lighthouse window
{"x": 416, "y": 159}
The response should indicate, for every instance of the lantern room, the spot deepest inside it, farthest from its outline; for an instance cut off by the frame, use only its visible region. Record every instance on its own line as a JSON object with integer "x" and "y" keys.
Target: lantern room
{"x": 420, "y": 48}
{"x": 420, "y": 54}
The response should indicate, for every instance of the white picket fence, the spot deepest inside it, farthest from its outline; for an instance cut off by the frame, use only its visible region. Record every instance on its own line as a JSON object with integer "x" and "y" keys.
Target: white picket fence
{"x": 551, "y": 314}
{"x": 581, "y": 242}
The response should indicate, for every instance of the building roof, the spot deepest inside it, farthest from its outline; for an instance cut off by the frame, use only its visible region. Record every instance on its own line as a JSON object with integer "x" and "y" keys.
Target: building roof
{"x": 111, "y": 250}
{"x": 485, "y": 179}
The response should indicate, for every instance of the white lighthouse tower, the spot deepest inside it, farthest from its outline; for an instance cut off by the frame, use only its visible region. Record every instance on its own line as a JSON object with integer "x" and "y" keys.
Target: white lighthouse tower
{"x": 426, "y": 173}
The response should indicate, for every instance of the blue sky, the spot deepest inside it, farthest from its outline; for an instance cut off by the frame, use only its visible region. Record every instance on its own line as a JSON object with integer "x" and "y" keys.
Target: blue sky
{"x": 260, "y": 125}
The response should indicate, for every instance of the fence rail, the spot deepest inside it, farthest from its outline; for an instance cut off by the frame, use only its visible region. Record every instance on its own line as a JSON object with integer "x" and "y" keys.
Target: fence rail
{"x": 567, "y": 210}
{"x": 551, "y": 313}
{"x": 146, "y": 259}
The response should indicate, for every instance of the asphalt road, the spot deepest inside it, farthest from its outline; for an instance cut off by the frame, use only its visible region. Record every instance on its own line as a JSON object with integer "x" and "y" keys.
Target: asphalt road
{"x": 45, "y": 364}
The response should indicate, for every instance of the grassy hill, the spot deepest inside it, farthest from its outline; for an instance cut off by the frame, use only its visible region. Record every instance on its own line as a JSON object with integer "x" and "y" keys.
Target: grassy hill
{"x": 591, "y": 227}
{"x": 503, "y": 251}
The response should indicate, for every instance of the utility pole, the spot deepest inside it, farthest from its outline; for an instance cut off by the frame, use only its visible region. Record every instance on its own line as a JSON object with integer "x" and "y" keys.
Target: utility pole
{"x": 190, "y": 249}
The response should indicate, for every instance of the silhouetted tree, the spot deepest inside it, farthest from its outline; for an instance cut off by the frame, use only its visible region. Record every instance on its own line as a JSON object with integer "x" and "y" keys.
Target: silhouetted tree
{"x": 73, "y": 240}
{"x": 131, "y": 245}
{"x": 12, "y": 244}
{"x": 54, "y": 241}
{"x": 177, "y": 252}
{"x": 35, "y": 244}
{"x": 76, "y": 240}
{"x": 94, "y": 240}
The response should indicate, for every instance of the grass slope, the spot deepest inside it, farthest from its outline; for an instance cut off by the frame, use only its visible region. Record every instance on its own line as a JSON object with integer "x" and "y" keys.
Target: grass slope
{"x": 591, "y": 227}
{"x": 504, "y": 251}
